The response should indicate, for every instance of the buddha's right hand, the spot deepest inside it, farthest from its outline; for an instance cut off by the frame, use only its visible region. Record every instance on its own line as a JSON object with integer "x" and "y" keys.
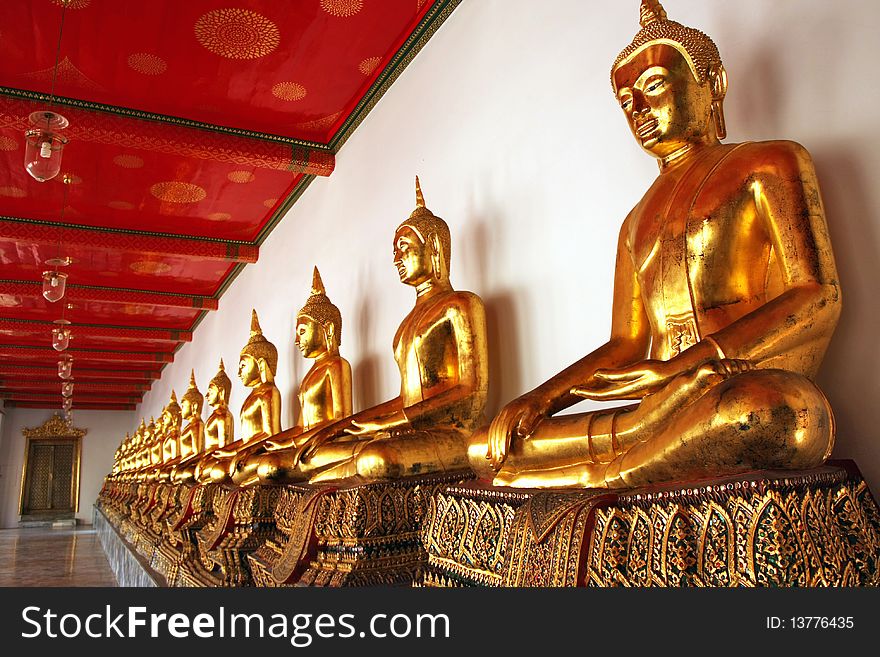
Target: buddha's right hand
{"x": 519, "y": 418}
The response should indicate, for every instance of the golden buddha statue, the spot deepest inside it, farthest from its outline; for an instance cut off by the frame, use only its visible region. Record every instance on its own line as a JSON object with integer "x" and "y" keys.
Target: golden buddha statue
{"x": 725, "y": 298}
{"x": 150, "y": 453}
{"x": 325, "y": 392}
{"x": 219, "y": 427}
{"x": 440, "y": 349}
{"x": 172, "y": 418}
{"x": 192, "y": 435}
{"x": 261, "y": 412}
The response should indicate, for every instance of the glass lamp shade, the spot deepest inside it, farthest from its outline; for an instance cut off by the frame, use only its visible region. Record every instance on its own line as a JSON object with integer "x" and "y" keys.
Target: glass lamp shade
{"x": 65, "y": 368}
{"x": 60, "y": 338}
{"x": 54, "y": 285}
{"x": 67, "y": 389}
{"x": 44, "y": 145}
{"x": 67, "y": 403}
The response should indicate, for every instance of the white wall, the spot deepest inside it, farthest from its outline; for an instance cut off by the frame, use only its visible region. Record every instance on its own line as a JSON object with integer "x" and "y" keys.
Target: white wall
{"x": 105, "y": 428}
{"x": 508, "y": 117}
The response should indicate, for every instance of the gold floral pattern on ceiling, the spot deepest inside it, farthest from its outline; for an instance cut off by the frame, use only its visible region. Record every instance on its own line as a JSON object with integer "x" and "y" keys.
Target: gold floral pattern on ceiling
{"x": 290, "y": 91}
{"x": 73, "y": 4}
{"x": 178, "y": 192}
{"x": 8, "y": 144}
{"x": 67, "y": 74}
{"x": 240, "y": 177}
{"x": 13, "y": 192}
{"x": 219, "y": 216}
{"x": 237, "y": 33}
{"x": 148, "y": 64}
{"x": 320, "y": 124}
{"x": 270, "y": 202}
{"x": 128, "y": 161}
{"x": 120, "y": 205}
{"x": 369, "y": 65}
{"x": 149, "y": 267}
{"x": 342, "y": 8}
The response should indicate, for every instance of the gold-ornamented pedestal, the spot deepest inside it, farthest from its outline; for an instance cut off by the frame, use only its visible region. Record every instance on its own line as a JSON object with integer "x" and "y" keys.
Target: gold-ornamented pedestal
{"x": 243, "y": 518}
{"x": 353, "y": 535}
{"x": 818, "y": 527}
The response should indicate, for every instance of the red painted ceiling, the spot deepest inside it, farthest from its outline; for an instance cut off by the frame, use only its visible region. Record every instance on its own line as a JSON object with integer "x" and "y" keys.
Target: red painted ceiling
{"x": 193, "y": 127}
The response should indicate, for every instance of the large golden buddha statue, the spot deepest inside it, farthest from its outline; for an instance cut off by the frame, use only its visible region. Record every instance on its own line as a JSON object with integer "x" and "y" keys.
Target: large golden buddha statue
{"x": 261, "y": 411}
{"x": 324, "y": 393}
{"x": 726, "y": 295}
{"x": 192, "y": 435}
{"x": 440, "y": 349}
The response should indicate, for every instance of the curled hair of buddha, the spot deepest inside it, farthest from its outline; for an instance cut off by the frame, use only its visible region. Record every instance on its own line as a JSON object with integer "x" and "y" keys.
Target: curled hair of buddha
{"x": 425, "y": 223}
{"x": 320, "y": 309}
{"x": 259, "y": 347}
{"x": 192, "y": 394}
{"x": 221, "y": 381}
{"x": 697, "y": 48}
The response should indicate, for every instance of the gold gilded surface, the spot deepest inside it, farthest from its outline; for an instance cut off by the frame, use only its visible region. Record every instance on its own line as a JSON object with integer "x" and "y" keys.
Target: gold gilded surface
{"x": 811, "y": 528}
{"x": 725, "y": 298}
{"x": 441, "y": 353}
{"x": 237, "y": 33}
{"x": 192, "y": 435}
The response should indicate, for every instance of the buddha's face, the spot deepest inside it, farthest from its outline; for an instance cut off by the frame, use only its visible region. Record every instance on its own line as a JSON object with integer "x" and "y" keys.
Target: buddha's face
{"x": 412, "y": 257}
{"x": 249, "y": 371}
{"x": 309, "y": 337}
{"x": 212, "y": 395}
{"x": 186, "y": 408}
{"x": 665, "y": 105}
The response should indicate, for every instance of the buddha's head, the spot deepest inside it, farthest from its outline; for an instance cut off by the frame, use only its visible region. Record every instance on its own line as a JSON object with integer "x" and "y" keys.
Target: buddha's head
{"x": 422, "y": 246}
{"x": 150, "y": 431}
{"x": 171, "y": 417}
{"x": 219, "y": 388}
{"x": 258, "y": 358}
{"x": 318, "y": 323}
{"x": 192, "y": 400}
{"x": 671, "y": 84}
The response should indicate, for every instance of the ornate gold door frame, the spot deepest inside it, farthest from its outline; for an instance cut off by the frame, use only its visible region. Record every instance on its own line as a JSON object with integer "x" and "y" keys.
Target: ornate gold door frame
{"x": 45, "y": 492}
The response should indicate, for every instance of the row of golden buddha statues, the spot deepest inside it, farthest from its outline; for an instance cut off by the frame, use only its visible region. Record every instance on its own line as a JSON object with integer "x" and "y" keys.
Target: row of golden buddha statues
{"x": 725, "y": 298}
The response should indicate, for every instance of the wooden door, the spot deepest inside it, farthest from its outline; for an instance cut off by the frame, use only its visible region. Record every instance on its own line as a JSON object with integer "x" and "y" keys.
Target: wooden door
{"x": 50, "y": 477}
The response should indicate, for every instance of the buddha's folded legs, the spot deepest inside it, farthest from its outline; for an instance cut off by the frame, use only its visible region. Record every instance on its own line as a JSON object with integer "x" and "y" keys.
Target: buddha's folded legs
{"x": 392, "y": 455}
{"x": 704, "y": 423}
{"x": 280, "y": 466}
{"x": 760, "y": 420}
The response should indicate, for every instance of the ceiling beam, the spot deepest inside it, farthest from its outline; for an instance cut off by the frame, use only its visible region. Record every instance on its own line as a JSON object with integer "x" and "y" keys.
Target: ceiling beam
{"x": 37, "y": 371}
{"x": 95, "y": 398}
{"x": 109, "y": 239}
{"x": 114, "y": 126}
{"x": 85, "y": 406}
{"x": 48, "y": 385}
{"x": 22, "y": 327}
{"x": 85, "y": 293}
{"x": 10, "y": 354}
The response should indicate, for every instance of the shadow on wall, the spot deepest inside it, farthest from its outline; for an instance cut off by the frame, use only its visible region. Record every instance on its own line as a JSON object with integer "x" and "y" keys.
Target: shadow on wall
{"x": 850, "y": 373}
{"x": 480, "y": 240}
{"x": 366, "y": 383}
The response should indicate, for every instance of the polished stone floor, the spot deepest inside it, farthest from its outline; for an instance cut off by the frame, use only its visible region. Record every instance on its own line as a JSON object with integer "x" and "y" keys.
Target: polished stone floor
{"x": 53, "y": 557}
